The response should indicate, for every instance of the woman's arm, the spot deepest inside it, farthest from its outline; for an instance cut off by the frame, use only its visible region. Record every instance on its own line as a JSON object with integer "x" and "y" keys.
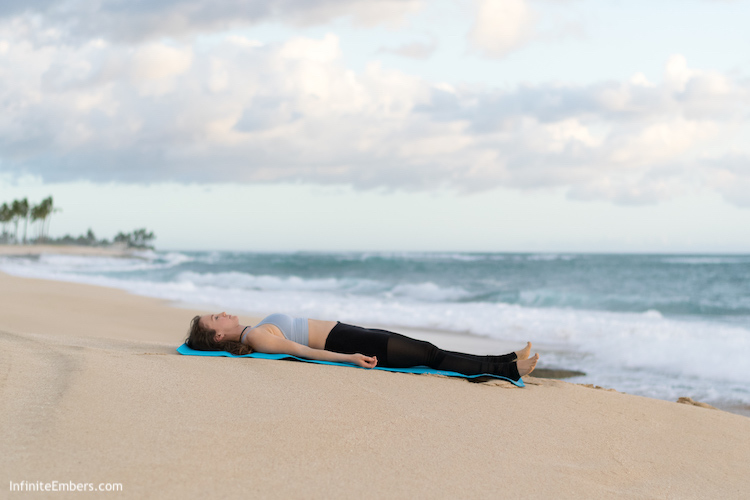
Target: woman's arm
{"x": 262, "y": 341}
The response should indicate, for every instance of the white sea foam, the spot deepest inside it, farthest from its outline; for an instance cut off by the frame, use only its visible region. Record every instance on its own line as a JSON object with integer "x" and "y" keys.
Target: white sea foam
{"x": 428, "y": 292}
{"x": 739, "y": 259}
{"x": 142, "y": 261}
{"x": 243, "y": 281}
{"x": 546, "y": 256}
{"x": 419, "y": 256}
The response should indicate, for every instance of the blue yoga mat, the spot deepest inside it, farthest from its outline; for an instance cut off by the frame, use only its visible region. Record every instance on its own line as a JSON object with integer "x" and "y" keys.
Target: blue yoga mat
{"x": 184, "y": 349}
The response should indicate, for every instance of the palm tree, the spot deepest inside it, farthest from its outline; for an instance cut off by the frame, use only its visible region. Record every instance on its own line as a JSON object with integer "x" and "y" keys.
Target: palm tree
{"x": 24, "y": 212}
{"x": 5, "y": 217}
{"x": 49, "y": 209}
{"x": 37, "y": 214}
{"x": 21, "y": 208}
{"x": 141, "y": 238}
{"x": 15, "y": 211}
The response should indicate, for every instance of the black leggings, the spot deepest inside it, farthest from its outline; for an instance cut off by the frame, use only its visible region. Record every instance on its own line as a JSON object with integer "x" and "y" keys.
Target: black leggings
{"x": 394, "y": 350}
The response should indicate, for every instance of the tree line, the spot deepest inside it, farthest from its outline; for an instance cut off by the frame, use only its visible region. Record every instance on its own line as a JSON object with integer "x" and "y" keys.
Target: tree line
{"x": 20, "y": 210}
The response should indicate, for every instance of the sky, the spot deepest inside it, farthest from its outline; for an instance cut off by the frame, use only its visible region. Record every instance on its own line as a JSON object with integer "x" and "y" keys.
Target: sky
{"x": 386, "y": 125}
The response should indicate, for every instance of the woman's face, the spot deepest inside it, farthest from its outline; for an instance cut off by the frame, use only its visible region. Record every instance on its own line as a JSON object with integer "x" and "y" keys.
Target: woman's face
{"x": 221, "y": 322}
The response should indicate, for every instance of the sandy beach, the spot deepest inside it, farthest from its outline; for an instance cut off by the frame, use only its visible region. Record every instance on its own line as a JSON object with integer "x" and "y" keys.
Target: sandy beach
{"x": 94, "y": 392}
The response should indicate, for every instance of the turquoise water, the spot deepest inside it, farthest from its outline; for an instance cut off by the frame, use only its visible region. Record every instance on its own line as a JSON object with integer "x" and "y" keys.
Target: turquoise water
{"x": 655, "y": 325}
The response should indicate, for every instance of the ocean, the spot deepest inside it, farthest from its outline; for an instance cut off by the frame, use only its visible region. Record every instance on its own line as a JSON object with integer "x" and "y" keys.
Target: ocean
{"x": 661, "y": 326}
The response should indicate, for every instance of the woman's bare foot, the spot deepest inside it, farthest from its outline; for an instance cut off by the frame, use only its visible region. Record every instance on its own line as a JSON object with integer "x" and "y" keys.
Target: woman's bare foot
{"x": 527, "y": 366}
{"x": 524, "y": 353}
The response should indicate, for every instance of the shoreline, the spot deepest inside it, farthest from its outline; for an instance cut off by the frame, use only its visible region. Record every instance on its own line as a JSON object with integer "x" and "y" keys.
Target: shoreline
{"x": 446, "y": 339}
{"x": 33, "y": 250}
{"x": 92, "y": 390}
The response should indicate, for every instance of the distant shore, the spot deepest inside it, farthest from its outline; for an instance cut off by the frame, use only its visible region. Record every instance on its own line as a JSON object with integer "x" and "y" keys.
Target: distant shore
{"x": 110, "y": 251}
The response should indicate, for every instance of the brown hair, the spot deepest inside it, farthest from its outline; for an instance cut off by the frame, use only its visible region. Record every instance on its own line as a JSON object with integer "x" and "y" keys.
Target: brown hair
{"x": 201, "y": 338}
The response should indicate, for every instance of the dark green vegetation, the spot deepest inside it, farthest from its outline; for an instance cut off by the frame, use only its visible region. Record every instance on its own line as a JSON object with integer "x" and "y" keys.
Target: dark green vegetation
{"x": 18, "y": 210}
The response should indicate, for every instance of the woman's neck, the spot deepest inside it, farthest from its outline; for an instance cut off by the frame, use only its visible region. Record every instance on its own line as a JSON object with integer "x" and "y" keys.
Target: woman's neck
{"x": 235, "y": 334}
{"x": 242, "y": 332}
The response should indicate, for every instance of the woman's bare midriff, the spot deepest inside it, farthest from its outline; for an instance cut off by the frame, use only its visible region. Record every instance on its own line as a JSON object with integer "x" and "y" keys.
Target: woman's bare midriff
{"x": 318, "y": 332}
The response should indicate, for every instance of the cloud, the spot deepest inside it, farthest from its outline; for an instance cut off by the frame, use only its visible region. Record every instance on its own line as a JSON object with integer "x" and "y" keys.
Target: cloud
{"x": 501, "y": 27}
{"x": 629, "y": 142}
{"x": 730, "y": 176}
{"x": 414, "y": 50}
{"x": 244, "y": 112}
{"x": 138, "y": 20}
{"x": 239, "y": 112}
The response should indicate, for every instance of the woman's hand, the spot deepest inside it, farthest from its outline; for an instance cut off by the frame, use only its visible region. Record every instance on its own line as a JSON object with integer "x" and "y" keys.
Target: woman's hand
{"x": 364, "y": 361}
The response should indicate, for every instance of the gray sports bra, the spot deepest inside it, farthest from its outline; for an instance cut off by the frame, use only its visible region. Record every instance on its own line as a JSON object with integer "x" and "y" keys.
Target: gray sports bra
{"x": 294, "y": 329}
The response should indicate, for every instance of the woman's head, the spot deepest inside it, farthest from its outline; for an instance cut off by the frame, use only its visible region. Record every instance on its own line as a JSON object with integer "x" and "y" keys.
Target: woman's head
{"x": 224, "y": 326}
{"x": 209, "y": 333}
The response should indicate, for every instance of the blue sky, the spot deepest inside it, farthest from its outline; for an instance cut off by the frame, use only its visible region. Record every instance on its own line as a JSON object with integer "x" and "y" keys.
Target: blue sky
{"x": 485, "y": 125}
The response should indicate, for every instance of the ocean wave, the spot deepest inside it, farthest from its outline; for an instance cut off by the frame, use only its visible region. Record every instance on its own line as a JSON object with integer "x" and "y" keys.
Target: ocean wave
{"x": 728, "y": 299}
{"x": 417, "y": 256}
{"x": 457, "y": 256}
{"x": 704, "y": 260}
{"x": 547, "y": 257}
{"x": 428, "y": 292}
{"x": 245, "y": 281}
{"x": 141, "y": 261}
